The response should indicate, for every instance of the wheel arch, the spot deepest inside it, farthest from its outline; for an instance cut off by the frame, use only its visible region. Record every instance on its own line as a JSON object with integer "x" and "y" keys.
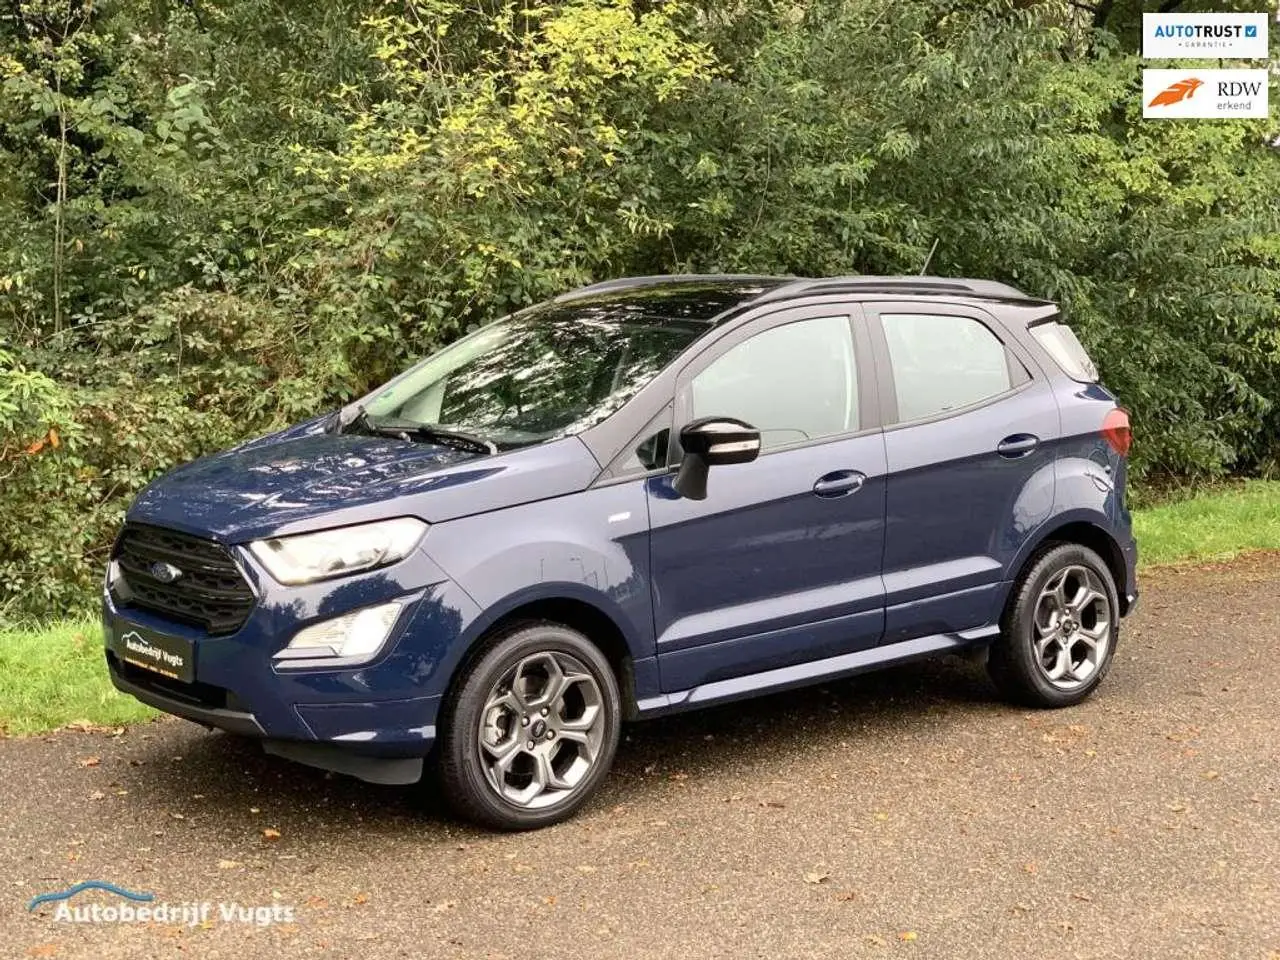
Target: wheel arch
{"x": 568, "y": 607}
{"x": 1086, "y": 531}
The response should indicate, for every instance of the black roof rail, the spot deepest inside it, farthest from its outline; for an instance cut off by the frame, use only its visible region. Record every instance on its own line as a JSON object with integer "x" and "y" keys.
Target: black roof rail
{"x": 960, "y": 286}
{"x": 630, "y": 283}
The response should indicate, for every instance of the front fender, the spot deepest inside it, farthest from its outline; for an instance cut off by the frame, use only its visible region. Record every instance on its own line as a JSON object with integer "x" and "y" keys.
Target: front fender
{"x": 592, "y": 548}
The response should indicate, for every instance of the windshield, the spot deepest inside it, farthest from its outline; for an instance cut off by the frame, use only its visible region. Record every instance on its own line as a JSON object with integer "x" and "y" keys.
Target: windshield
{"x": 534, "y": 377}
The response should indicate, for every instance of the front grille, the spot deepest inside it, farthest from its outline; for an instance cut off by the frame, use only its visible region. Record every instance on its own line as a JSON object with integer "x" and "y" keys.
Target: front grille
{"x": 210, "y": 593}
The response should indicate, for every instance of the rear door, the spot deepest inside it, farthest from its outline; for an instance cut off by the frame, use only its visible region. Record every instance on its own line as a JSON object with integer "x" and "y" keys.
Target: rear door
{"x": 971, "y": 427}
{"x": 780, "y": 564}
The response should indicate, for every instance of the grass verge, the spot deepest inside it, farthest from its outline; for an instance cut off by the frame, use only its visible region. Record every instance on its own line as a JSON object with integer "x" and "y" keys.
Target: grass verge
{"x": 55, "y": 676}
{"x": 1215, "y": 525}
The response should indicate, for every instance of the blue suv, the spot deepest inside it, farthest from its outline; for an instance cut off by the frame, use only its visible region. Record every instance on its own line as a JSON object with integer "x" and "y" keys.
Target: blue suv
{"x": 642, "y": 497}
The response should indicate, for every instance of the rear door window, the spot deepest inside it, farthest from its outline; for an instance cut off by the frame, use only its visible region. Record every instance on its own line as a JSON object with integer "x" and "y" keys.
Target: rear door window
{"x": 942, "y": 363}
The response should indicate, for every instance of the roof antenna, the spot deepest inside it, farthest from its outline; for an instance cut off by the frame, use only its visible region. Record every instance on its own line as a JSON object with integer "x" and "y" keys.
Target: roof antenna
{"x": 929, "y": 259}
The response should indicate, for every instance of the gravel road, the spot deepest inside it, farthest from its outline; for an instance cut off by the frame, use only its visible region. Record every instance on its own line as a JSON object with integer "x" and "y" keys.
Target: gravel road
{"x": 903, "y": 814}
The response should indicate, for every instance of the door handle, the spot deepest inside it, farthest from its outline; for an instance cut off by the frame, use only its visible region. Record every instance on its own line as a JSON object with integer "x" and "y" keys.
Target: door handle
{"x": 1017, "y": 445}
{"x": 839, "y": 483}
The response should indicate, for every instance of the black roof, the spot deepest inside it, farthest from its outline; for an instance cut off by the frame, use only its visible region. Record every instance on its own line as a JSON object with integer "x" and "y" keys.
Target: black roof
{"x": 704, "y": 297}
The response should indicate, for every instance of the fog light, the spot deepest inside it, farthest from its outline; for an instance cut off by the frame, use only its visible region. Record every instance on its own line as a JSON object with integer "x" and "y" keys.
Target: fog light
{"x": 358, "y": 635}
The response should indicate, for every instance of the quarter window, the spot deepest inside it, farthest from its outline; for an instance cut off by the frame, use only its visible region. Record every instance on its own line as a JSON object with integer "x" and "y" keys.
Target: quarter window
{"x": 943, "y": 363}
{"x": 793, "y": 383}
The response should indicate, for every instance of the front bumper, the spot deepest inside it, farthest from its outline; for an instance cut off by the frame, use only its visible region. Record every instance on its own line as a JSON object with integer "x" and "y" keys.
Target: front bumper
{"x": 375, "y": 720}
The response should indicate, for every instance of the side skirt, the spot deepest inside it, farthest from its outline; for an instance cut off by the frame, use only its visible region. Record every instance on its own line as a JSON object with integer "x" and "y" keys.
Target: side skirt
{"x": 815, "y": 671}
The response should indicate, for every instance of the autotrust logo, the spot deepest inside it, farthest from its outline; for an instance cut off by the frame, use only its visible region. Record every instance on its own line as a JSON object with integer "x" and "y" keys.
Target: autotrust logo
{"x": 1176, "y": 92}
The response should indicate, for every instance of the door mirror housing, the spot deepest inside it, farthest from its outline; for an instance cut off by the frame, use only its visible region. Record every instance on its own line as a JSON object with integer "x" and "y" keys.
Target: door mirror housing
{"x": 712, "y": 441}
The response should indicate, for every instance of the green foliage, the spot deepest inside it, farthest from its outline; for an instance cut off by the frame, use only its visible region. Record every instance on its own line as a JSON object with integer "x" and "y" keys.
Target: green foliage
{"x": 223, "y": 216}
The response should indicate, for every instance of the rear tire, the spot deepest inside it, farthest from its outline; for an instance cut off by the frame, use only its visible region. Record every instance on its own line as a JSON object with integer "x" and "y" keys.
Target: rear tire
{"x": 531, "y": 729}
{"x": 1059, "y": 631}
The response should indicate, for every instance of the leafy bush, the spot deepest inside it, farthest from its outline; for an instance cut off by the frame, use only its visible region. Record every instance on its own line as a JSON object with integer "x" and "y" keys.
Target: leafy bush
{"x": 226, "y": 216}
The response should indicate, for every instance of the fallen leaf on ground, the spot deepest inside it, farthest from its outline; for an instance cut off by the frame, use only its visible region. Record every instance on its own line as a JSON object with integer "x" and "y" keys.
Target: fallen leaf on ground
{"x": 906, "y": 936}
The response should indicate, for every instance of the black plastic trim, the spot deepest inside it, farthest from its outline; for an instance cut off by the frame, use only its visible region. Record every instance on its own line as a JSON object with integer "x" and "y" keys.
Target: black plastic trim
{"x": 233, "y": 721}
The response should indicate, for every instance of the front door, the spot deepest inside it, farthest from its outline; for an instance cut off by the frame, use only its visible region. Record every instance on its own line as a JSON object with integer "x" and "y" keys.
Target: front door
{"x": 780, "y": 564}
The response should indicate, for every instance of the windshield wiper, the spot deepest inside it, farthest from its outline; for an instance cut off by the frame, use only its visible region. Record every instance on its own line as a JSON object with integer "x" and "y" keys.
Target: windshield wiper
{"x": 457, "y": 439}
{"x": 355, "y": 419}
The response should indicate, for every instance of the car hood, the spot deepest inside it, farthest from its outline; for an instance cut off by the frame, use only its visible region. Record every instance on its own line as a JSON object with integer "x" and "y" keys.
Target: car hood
{"x": 307, "y": 480}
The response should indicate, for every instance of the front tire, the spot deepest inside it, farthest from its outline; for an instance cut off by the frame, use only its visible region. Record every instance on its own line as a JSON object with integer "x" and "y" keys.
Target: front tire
{"x": 531, "y": 729}
{"x": 1059, "y": 631}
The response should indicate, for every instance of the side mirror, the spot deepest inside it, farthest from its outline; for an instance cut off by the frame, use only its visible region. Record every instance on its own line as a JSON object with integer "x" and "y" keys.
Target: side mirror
{"x": 712, "y": 441}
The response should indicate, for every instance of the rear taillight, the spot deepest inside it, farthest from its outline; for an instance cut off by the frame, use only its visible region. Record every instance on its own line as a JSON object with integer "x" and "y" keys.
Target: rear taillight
{"x": 1115, "y": 430}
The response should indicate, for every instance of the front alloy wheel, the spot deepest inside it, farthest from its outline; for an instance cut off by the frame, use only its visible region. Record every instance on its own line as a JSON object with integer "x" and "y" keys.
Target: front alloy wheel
{"x": 541, "y": 730}
{"x": 532, "y": 728}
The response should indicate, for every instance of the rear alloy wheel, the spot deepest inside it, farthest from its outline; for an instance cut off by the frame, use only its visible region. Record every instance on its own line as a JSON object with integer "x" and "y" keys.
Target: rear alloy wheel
{"x": 1060, "y": 630}
{"x": 533, "y": 728}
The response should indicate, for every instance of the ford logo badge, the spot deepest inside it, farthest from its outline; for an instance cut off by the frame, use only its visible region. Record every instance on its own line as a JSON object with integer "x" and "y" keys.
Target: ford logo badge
{"x": 165, "y": 572}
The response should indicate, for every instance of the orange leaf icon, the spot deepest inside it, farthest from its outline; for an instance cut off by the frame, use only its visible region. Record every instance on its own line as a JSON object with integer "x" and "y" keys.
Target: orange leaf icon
{"x": 1176, "y": 92}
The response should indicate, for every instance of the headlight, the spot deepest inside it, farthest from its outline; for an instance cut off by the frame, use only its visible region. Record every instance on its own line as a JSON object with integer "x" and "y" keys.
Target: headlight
{"x": 356, "y": 636}
{"x": 332, "y": 553}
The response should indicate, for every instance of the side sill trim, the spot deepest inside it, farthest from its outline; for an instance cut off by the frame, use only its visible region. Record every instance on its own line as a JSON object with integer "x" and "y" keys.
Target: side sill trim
{"x": 801, "y": 674}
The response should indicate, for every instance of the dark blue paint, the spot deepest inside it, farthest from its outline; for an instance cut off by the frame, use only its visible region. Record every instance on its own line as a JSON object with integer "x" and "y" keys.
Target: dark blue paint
{"x": 810, "y": 562}
{"x": 744, "y": 580}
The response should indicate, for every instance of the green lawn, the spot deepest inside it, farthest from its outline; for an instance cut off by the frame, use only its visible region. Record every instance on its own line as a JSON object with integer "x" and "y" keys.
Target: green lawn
{"x": 1216, "y": 525}
{"x": 55, "y": 676}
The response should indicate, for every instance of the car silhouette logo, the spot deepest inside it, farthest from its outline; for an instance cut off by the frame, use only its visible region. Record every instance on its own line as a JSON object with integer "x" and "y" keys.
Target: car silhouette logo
{"x": 165, "y": 572}
{"x": 89, "y": 885}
